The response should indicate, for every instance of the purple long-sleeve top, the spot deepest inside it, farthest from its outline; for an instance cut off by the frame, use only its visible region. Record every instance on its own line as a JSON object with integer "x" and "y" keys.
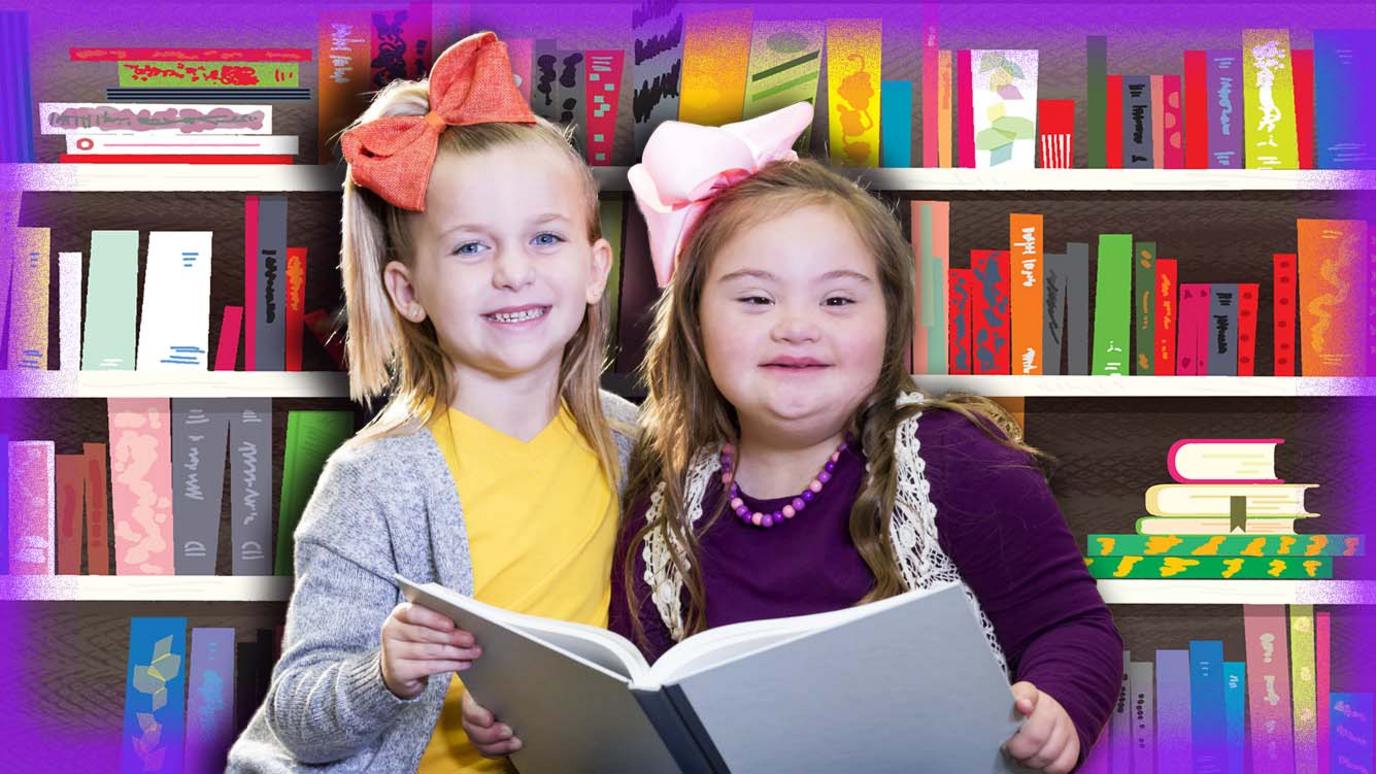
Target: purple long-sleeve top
{"x": 996, "y": 519}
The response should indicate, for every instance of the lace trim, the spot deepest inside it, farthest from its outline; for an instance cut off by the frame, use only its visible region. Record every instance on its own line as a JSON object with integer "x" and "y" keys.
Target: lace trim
{"x": 912, "y": 529}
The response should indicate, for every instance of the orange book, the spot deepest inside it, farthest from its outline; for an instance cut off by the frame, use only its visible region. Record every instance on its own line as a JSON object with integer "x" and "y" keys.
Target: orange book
{"x": 296, "y": 306}
{"x": 97, "y": 490}
{"x": 945, "y": 85}
{"x": 1332, "y": 259}
{"x": 71, "y": 480}
{"x": 716, "y": 59}
{"x": 1025, "y": 252}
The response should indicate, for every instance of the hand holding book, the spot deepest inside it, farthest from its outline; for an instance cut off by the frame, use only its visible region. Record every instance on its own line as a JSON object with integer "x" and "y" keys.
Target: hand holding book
{"x": 1046, "y": 740}
{"x": 418, "y": 642}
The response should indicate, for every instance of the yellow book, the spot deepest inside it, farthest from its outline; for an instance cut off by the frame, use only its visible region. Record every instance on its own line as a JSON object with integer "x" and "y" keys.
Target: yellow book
{"x": 716, "y": 57}
{"x": 1302, "y": 688}
{"x": 943, "y": 107}
{"x": 1270, "y": 136}
{"x": 29, "y": 296}
{"x": 854, "y": 56}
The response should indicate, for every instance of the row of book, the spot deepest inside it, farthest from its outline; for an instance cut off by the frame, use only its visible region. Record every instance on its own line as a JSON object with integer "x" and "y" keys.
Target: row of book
{"x": 1025, "y": 310}
{"x": 150, "y": 501}
{"x": 182, "y": 714}
{"x": 1225, "y": 514}
{"x": 1276, "y": 712}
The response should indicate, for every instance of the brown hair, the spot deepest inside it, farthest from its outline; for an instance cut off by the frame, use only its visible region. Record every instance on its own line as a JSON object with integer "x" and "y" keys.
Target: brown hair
{"x": 394, "y": 357}
{"x": 685, "y": 412}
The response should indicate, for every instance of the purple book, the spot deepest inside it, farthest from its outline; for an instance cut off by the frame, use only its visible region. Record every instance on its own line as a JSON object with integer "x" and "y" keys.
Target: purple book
{"x": 1173, "y": 740}
{"x": 210, "y": 700}
{"x": 1225, "y": 109}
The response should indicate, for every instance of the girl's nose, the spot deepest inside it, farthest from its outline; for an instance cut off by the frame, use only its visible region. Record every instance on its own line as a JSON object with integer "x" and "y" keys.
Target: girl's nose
{"x": 795, "y": 326}
{"x": 512, "y": 269}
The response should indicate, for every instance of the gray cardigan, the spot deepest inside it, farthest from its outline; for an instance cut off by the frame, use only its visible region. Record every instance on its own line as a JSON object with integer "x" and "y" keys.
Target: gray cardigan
{"x": 381, "y": 507}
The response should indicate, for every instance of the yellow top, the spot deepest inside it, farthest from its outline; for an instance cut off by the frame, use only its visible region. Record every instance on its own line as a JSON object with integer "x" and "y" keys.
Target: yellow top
{"x": 541, "y": 519}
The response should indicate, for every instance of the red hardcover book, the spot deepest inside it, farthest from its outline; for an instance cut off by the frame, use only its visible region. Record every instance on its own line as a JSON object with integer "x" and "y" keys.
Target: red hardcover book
{"x": 70, "y": 481}
{"x": 961, "y": 289}
{"x": 602, "y": 94}
{"x": 1284, "y": 268}
{"x": 179, "y": 158}
{"x": 1302, "y": 59}
{"x": 97, "y": 485}
{"x": 1248, "y": 294}
{"x": 227, "y": 349}
{"x": 1113, "y": 123}
{"x": 296, "y": 306}
{"x": 965, "y": 100}
{"x": 1191, "y": 352}
{"x": 990, "y": 343}
{"x": 1174, "y": 118}
{"x": 1196, "y": 110}
{"x": 1166, "y": 314}
{"x": 1056, "y": 130}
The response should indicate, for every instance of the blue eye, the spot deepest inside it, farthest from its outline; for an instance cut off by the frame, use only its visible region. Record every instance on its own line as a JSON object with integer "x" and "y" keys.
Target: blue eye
{"x": 468, "y": 248}
{"x": 547, "y": 239}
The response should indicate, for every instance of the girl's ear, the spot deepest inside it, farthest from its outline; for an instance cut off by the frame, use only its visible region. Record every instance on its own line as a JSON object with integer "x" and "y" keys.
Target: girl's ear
{"x": 601, "y": 266}
{"x": 396, "y": 276}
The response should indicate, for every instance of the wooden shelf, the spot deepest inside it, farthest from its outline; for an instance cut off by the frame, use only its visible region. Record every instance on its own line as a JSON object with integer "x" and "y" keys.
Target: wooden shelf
{"x": 1149, "y": 386}
{"x": 164, "y": 384}
{"x": 224, "y": 588}
{"x": 313, "y": 177}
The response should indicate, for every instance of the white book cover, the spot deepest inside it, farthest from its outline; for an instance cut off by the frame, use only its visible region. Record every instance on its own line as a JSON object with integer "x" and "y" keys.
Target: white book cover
{"x": 1216, "y": 499}
{"x": 69, "y": 311}
{"x": 174, "y": 332}
{"x": 1004, "y": 84}
{"x": 153, "y": 118}
{"x": 164, "y": 145}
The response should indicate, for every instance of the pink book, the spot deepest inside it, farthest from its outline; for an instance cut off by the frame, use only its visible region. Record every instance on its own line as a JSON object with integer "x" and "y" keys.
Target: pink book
{"x": 1175, "y": 122}
{"x": 1158, "y": 122}
{"x": 227, "y": 350}
{"x": 250, "y": 281}
{"x": 1190, "y": 460}
{"x": 1191, "y": 355}
{"x": 1268, "y": 688}
{"x": 965, "y": 101}
{"x": 930, "y": 63}
{"x": 1323, "y": 686}
{"x": 32, "y": 542}
{"x": 141, "y": 485}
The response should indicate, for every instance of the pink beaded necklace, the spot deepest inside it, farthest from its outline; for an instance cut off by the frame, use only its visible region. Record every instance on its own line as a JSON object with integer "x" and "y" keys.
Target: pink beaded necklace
{"x": 790, "y": 509}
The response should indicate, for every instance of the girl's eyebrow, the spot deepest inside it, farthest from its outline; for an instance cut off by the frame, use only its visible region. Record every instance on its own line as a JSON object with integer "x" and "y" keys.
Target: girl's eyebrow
{"x": 761, "y": 274}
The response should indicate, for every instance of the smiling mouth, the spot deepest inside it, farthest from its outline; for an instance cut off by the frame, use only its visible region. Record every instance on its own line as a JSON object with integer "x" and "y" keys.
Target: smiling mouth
{"x": 515, "y": 316}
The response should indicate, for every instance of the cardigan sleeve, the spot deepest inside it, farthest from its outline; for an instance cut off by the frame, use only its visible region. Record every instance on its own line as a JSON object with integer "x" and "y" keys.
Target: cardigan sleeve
{"x": 653, "y": 639}
{"x": 999, "y": 522}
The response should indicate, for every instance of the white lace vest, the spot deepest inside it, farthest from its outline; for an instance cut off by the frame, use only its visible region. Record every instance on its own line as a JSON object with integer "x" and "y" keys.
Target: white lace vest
{"x": 912, "y": 530}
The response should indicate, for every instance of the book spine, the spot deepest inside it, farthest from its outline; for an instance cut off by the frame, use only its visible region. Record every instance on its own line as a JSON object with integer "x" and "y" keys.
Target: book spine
{"x": 210, "y": 700}
{"x": 1343, "y": 62}
{"x": 1053, "y": 312}
{"x": 1225, "y": 545}
{"x": 1077, "y": 309}
{"x": 1303, "y": 688}
{"x": 71, "y": 483}
{"x": 270, "y": 323}
{"x": 655, "y": 69}
{"x": 991, "y": 346}
{"x": 1142, "y": 678}
{"x": 1196, "y": 111}
{"x": 69, "y": 311}
{"x": 200, "y": 432}
{"x": 1268, "y": 689}
{"x": 895, "y": 124}
{"x": 962, "y": 303}
{"x": 154, "y": 732}
{"x": 931, "y": 66}
{"x": 250, "y": 470}
{"x": 1174, "y": 145}
{"x": 1136, "y": 122}
{"x": 1247, "y": 302}
{"x": 296, "y": 307}
{"x": 111, "y": 302}
{"x": 1192, "y": 333}
{"x": 97, "y": 508}
{"x": 174, "y": 329}
{"x": 1025, "y": 301}
{"x": 28, "y": 325}
{"x": 227, "y": 350}
{"x": 1331, "y": 256}
{"x": 1166, "y": 311}
{"x": 251, "y": 206}
{"x": 1222, "y": 330}
{"x": 965, "y": 101}
{"x": 1235, "y": 714}
{"x": 1302, "y": 62}
{"x": 1096, "y": 103}
{"x": 1208, "y": 711}
{"x": 345, "y": 47}
{"x": 1144, "y": 297}
{"x": 570, "y": 88}
{"x": 854, "y": 52}
{"x": 32, "y": 538}
{"x": 5, "y": 505}
{"x": 1210, "y": 567}
{"x": 1173, "y": 741}
{"x": 312, "y": 436}
{"x": 601, "y": 99}
{"x": 1268, "y": 100}
{"x": 141, "y": 472}
{"x": 1056, "y": 133}
{"x": 1120, "y": 722}
{"x": 1225, "y": 109}
{"x": 1158, "y": 121}
{"x": 1323, "y": 686}
{"x": 545, "y": 77}
{"x": 931, "y": 247}
{"x": 945, "y": 115}
{"x": 1113, "y": 305}
{"x": 245, "y": 684}
{"x": 1284, "y": 280}
{"x": 716, "y": 60}
{"x": 1350, "y": 735}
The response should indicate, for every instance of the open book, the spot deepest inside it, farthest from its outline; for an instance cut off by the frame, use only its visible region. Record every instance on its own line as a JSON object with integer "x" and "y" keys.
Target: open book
{"x": 903, "y": 684}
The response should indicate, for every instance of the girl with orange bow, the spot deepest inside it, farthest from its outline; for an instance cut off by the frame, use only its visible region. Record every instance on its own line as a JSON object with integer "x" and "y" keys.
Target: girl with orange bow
{"x": 788, "y": 465}
{"x": 474, "y": 269}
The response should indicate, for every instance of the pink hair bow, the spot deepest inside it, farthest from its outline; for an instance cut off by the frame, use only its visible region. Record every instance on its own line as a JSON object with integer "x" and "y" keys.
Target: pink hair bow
{"x": 685, "y": 166}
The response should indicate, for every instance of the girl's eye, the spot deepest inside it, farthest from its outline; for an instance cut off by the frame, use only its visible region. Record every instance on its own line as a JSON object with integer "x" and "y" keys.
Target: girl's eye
{"x": 547, "y": 239}
{"x": 839, "y": 301}
{"x": 468, "y": 248}
{"x": 754, "y": 300}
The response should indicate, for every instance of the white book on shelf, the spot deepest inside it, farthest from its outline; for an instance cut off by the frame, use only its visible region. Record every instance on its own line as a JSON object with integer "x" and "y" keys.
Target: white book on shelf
{"x": 69, "y": 311}
{"x": 907, "y": 681}
{"x": 177, "y": 145}
{"x": 174, "y": 332}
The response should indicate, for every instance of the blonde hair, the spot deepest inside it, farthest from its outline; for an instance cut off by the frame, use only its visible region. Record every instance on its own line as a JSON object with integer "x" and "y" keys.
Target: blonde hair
{"x": 392, "y": 357}
{"x": 685, "y": 412}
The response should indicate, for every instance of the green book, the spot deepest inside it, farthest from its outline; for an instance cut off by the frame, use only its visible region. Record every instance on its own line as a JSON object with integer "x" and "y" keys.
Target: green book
{"x": 1113, "y": 305}
{"x": 111, "y": 302}
{"x": 1144, "y": 306}
{"x": 1225, "y": 545}
{"x": 311, "y": 437}
{"x": 610, "y": 211}
{"x": 1210, "y": 567}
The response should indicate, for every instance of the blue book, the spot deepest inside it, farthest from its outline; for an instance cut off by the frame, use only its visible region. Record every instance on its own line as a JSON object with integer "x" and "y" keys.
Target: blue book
{"x": 210, "y": 700}
{"x": 896, "y": 123}
{"x": 1173, "y": 751}
{"x": 1349, "y": 733}
{"x": 155, "y": 697}
{"x": 16, "y": 134}
{"x": 1235, "y": 714}
{"x": 1208, "y": 713}
{"x": 1344, "y": 116}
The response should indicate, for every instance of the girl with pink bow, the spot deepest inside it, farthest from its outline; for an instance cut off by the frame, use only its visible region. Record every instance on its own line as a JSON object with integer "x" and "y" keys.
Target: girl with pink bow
{"x": 474, "y": 269}
{"x": 787, "y": 463}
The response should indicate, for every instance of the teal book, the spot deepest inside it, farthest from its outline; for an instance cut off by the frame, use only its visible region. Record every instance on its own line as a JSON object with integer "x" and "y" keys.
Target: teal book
{"x": 1208, "y": 707}
{"x": 111, "y": 302}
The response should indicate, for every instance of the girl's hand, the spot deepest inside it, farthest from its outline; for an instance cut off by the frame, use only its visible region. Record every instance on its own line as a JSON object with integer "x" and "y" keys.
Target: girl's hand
{"x": 492, "y": 739}
{"x": 418, "y": 642}
{"x": 1047, "y": 740}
